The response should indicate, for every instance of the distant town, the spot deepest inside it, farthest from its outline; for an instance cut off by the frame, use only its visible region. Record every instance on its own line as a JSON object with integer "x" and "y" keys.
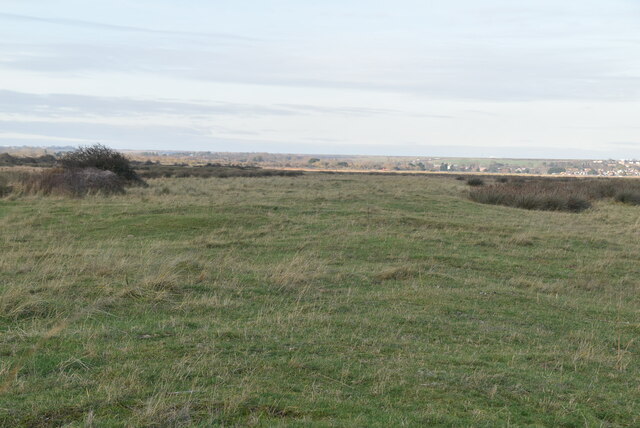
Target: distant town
{"x": 562, "y": 167}
{"x": 604, "y": 167}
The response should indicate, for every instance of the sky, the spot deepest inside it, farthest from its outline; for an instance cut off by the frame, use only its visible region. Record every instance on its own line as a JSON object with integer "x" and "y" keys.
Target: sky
{"x": 492, "y": 78}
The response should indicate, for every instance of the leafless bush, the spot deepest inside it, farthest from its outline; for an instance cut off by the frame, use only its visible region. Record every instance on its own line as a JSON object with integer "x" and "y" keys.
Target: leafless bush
{"x": 102, "y": 158}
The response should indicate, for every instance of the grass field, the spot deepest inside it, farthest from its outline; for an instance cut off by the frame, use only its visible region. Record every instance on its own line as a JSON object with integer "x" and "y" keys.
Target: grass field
{"x": 322, "y": 300}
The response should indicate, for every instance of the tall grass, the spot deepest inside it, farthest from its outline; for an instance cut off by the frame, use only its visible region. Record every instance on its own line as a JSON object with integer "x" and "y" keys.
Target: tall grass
{"x": 572, "y": 194}
{"x": 61, "y": 182}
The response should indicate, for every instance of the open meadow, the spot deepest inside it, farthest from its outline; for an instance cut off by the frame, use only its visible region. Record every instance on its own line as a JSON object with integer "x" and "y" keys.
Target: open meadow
{"x": 316, "y": 300}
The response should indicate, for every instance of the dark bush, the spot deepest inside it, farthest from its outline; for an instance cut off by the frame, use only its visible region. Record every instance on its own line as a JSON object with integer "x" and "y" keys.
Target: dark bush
{"x": 5, "y": 188}
{"x": 628, "y": 197}
{"x": 577, "y": 204}
{"x": 102, "y": 158}
{"x": 556, "y": 170}
{"x": 7, "y": 160}
{"x": 475, "y": 181}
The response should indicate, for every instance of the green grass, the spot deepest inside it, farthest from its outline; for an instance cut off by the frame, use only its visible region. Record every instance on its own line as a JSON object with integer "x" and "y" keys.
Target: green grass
{"x": 322, "y": 300}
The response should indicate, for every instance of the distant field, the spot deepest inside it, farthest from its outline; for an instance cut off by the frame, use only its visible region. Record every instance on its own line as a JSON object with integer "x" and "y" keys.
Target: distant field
{"x": 317, "y": 300}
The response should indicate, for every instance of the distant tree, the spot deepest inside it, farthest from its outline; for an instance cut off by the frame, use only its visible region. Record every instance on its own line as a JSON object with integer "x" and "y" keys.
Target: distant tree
{"x": 100, "y": 157}
{"x": 555, "y": 170}
{"x": 314, "y": 160}
{"x": 495, "y": 167}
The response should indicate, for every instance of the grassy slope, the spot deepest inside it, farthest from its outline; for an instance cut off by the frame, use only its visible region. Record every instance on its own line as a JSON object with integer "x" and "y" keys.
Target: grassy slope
{"x": 338, "y": 300}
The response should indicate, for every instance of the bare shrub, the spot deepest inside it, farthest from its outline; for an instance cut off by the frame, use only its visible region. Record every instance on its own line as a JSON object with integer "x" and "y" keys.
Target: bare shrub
{"x": 102, "y": 158}
{"x": 88, "y": 170}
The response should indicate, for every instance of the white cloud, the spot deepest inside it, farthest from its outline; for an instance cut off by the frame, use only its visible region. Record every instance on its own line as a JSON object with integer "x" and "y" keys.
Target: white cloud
{"x": 365, "y": 74}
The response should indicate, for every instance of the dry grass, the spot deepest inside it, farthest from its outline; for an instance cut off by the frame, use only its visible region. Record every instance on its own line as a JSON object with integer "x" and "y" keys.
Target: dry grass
{"x": 59, "y": 182}
{"x": 210, "y": 171}
{"x": 573, "y": 195}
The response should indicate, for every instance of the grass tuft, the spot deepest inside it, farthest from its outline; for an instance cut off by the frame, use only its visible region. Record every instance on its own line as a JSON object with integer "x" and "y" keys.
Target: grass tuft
{"x": 396, "y": 273}
{"x": 631, "y": 197}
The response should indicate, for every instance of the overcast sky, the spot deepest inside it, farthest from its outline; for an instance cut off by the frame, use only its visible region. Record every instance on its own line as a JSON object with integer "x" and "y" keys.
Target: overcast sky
{"x": 502, "y": 78}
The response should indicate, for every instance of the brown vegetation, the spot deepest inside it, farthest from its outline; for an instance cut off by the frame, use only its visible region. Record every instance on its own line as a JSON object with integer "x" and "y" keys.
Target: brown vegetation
{"x": 573, "y": 195}
{"x": 71, "y": 182}
{"x": 209, "y": 170}
{"x": 8, "y": 160}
